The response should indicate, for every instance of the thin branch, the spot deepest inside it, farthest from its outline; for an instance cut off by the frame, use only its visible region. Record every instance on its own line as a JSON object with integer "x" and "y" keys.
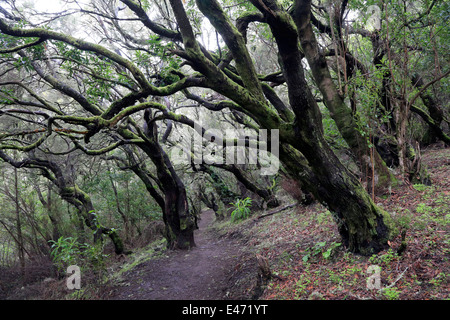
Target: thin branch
{"x": 277, "y": 210}
{"x": 23, "y": 46}
{"x": 425, "y": 87}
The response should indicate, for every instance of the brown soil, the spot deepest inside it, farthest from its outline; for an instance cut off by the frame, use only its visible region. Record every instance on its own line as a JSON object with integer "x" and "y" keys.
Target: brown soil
{"x": 209, "y": 271}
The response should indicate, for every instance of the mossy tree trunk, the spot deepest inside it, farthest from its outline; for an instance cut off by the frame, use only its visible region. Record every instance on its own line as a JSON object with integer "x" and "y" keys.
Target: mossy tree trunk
{"x": 83, "y": 203}
{"x": 435, "y": 115}
{"x": 364, "y": 227}
{"x": 180, "y": 224}
{"x": 372, "y": 165}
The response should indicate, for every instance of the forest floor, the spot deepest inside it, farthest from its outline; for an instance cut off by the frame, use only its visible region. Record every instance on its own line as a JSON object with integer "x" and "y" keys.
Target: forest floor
{"x": 304, "y": 251}
{"x": 305, "y": 256}
{"x": 302, "y": 247}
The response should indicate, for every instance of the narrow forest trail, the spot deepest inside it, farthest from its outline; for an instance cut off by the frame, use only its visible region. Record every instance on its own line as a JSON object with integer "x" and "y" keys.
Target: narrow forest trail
{"x": 198, "y": 274}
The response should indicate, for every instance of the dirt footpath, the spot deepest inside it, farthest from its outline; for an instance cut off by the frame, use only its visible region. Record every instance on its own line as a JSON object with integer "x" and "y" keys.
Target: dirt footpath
{"x": 207, "y": 272}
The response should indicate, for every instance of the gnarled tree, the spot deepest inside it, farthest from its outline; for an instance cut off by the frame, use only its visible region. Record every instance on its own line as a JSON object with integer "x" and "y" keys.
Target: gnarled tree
{"x": 99, "y": 105}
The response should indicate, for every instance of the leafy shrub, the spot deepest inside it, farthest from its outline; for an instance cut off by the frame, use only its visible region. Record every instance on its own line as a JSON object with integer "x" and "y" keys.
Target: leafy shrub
{"x": 65, "y": 252}
{"x": 241, "y": 209}
{"x": 68, "y": 251}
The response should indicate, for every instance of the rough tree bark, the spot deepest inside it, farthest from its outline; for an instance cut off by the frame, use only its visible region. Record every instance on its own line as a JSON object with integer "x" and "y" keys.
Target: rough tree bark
{"x": 364, "y": 227}
{"x": 435, "y": 115}
{"x": 333, "y": 100}
{"x": 180, "y": 223}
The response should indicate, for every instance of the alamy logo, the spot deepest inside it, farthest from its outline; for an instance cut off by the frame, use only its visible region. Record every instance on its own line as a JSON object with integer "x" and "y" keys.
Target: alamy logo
{"x": 375, "y": 17}
{"x": 374, "y": 280}
{"x": 74, "y": 280}
{"x": 214, "y": 146}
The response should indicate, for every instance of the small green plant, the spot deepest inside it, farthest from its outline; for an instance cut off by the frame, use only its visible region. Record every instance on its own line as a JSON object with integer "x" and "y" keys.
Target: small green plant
{"x": 241, "y": 209}
{"x": 420, "y": 187}
{"x": 314, "y": 251}
{"x": 319, "y": 248}
{"x": 327, "y": 254}
{"x": 439, "y": 280}
{"x": 323, "y": 216}
{"x": 301, "y": 285}
{"x": 391, "y": 293}
{"x": 65, "y": 252}
{"x": 428, "y": 192}
{"x": 386, "y": 258}
{"x": 404, "y": 220}
{"x": 68, "y": 251}
{"x": 423, "y": 208}
{"x": 285, "y": 256}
